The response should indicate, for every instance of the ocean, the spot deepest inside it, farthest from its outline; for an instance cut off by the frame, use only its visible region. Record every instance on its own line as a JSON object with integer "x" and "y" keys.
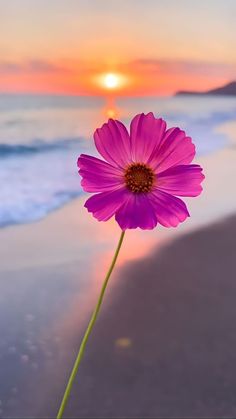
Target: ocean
{"x": 41, "y": 137}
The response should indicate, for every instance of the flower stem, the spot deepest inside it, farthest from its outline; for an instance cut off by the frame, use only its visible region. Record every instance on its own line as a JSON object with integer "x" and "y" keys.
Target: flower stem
{"x": 88, "y": 331}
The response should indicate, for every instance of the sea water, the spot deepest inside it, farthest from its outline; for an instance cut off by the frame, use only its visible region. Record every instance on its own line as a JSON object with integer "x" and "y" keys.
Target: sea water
{"x": 41, "y": 137}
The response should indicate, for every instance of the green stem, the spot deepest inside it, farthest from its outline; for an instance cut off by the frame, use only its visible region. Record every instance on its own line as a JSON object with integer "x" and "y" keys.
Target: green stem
{"x": 88, "y": 331}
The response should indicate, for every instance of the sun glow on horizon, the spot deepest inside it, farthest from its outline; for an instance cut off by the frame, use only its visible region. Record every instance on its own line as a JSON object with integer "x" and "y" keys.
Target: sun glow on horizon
{"x": 111, "y": 81}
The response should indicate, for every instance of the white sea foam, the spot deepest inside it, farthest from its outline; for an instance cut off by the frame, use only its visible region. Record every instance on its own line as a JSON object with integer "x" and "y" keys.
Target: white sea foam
{"x": 37, "y": 179}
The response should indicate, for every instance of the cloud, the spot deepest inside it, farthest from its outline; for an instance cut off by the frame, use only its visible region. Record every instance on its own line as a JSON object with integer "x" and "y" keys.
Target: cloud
{"x": 31, "y": 66}
{"x": 152, "y": 65}
{"x": 8, "y": 68}
{"x": 43, "y": 67}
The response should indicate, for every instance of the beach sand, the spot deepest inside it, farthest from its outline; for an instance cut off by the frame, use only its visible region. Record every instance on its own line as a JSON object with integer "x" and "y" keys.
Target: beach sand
{"x": 165, "y": 341}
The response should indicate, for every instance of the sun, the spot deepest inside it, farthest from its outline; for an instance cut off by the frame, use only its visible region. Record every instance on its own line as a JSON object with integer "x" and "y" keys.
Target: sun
{"x": 111, "y": 81}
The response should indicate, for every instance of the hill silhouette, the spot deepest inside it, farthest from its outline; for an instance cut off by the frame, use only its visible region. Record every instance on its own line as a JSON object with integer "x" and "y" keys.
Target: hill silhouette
{"x": 228, "y": 89}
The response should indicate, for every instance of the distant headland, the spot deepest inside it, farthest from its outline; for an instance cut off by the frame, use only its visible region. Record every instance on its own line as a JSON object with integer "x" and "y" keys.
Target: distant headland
{"x": 228, "y": 89}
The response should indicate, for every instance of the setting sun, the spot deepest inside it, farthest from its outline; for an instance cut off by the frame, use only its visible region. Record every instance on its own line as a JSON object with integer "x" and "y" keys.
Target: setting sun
{"x": 111, "y": 81}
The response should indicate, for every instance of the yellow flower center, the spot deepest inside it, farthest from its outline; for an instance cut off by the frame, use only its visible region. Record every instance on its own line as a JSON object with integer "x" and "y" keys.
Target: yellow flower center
{"x": 139, "y": 178}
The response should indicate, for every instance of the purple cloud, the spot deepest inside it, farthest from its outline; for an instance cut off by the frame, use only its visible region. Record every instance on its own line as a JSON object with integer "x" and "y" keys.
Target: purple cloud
{"x": 31, "y": 66}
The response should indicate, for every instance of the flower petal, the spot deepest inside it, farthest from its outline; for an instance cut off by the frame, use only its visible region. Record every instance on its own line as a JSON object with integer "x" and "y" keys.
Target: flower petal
{"x": 146, "y": 134}
{"x": 176, "y": 149}
{"x": 184, "y": 180}
{"x": 170, "y": 211}
{"x": 136, "y": 212}
{"x": 113, "y": 143}
{"x": 104, "y": 205}
{"x": 98, "y": 176}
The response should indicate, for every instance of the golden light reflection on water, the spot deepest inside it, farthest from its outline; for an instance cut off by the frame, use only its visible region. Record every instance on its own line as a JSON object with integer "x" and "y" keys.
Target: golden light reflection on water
{"x": 111, "y": 110}
{"x": 111, "y": 113}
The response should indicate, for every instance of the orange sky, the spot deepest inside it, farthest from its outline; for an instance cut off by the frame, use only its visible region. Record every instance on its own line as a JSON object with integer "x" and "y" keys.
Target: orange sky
{"x": 158, "y": 47}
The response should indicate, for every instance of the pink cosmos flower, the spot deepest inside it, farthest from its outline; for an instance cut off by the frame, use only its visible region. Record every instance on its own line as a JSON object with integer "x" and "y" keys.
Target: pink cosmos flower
{"x": 143, "y": 173}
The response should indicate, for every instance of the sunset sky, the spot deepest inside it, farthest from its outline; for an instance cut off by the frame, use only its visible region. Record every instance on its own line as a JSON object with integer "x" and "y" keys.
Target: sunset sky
{"x": 154, "y": 46}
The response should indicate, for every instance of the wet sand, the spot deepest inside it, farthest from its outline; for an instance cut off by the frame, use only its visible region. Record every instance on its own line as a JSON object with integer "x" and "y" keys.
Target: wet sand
{"x": 165, "y": 342}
